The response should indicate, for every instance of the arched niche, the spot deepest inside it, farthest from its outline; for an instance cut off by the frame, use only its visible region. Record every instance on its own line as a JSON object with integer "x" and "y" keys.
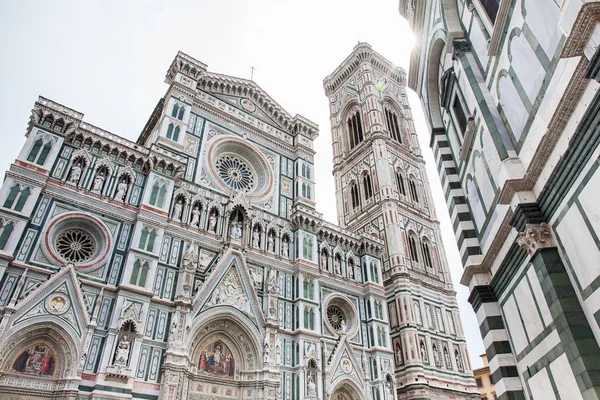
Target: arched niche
{"x": 41, "y": 352}
{"x": 433, "y": 83}
{"x": 347, "y": 390}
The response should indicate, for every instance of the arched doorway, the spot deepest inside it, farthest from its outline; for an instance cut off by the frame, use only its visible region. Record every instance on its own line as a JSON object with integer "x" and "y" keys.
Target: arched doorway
{"x": 347, "y": 390}
{"x": 40, "y": 360}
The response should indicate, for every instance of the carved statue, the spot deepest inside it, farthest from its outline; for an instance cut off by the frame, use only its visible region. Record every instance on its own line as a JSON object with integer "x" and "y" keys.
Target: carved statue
{"x": 195, "y": 217}
{"x": 236, "y": 229}
{"x": 177, "y": 209}
{"x": 256, "y": 238}
{"x": 338, "y": 265}
{"x": 351, "y": 272}
{"x": 212, "y": 222}
{"x": 312, "y": 387}
{"x": 285, "y": 251}
{"x": 390, "y": 388}
{"x": 458, "y": 361}
{"x": 272, "y": 283}
{"x": 266, "y": 352}
{"x": 82, "y": 361}
{"x": 121, "y": 190}
{"x": 324, "y": 260}
{"x": 75, "y": 173}
{"x": 343, "y": 327}
{"x": 98, "y": 182}
{"x": 190, "y": 256}
{"x": 447, "y": 359}
{"x": 122, "y": 354}
{"x": 271, "y": 243}
{"x": 423, "y": 352}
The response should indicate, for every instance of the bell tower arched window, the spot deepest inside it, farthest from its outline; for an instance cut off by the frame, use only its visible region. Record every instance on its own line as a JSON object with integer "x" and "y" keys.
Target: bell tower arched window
{"x": 391, "y": 120}
{"x": 38, "y": 154}
{"x": 412, "y": 248}
{"x": 427, "y": 254}
{"x": 355, "y": 130}
{"x": 354, "y": 196}
{"x": 401, "y": 186}
{"x": 413, "y": 191}
{"x": 367, "y": 186}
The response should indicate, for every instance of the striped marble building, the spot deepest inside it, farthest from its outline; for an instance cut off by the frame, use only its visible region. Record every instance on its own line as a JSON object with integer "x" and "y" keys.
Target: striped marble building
{"x": 509, "y": 88}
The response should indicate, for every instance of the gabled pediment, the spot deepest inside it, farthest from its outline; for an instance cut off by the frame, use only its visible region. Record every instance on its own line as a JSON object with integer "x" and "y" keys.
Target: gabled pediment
{"x": 59, "y": 299}
{"x": 250, "y": 98}
{"x": 344, "y": 364}
{"x": 230, "y": 285}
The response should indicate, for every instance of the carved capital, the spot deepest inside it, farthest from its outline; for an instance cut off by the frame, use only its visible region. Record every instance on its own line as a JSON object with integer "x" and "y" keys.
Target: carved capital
{"x": 536, "y": 237}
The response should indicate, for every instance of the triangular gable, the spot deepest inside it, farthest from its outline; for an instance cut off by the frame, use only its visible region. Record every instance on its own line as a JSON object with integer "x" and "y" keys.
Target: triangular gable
{"x": 344, "y": 364}
{"x": 246, "y": 105}
{"x": 255, "y": 101}
{"x": 60, "y": 299}
{"x": 230, "y": 285}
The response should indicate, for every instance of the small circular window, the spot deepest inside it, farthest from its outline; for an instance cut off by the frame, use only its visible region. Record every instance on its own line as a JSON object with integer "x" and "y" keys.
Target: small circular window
{"x": 78, "y": 238}
{"x": 235, "y": 173}
{"x": 336, "y": 318}
{"x": 75, "y": 245}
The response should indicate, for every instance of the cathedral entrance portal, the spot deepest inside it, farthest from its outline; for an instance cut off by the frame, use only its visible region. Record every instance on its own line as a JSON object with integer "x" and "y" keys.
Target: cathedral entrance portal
{"x": 346, "y": 391}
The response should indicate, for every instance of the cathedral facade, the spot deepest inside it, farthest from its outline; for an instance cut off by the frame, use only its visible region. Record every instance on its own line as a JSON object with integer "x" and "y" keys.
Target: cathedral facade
{"x": 192, "y": 264}
{"x": 510, "y": 92}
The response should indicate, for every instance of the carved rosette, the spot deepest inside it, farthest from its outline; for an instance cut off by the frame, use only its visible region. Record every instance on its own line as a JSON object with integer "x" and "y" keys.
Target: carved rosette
{"x": 536, "y": 237}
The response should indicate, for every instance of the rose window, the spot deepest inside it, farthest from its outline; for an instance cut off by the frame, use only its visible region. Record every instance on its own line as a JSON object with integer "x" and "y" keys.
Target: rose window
{"x": 235, "y": 173}
{"x": 336, "y": 317}
{"x": 75, "y": 245}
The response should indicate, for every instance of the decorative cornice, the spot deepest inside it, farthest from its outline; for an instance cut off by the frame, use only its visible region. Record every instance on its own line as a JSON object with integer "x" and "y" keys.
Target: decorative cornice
{"x": 582, "y": 30}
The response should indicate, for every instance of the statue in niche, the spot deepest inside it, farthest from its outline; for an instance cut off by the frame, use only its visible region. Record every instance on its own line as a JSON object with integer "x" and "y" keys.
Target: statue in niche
{"x": 177, "y": 210}
{"x": 195, "y": 216}
{"x": 458, "y": 361}
{"x": 212, "y": 221}
{"x": 122, "y": 190}
{"x": 390, "y": 388}
{"x": 351, "y": 271}
{"x": 338, "y": 265}
{"x": 447, "y": 359}
{"x": 324, "y": 260}
{"x": 285, "y": 247}
{"x": 278, "y": 354}
{"x": 423, "y": 352}
{"x": 266, "y": 352}
{"x": 122, "y": 353}
{"x": 236, "y": 229}
{"x": 436, "y": 356}
{"x": 312, "y": 387}
{"x": 343, "y": 327}
{"x": 75, "y": 173}
{"x": 256, "y": 238}
{"x": 271, "y": 242}
{"x": 98, "y": 182}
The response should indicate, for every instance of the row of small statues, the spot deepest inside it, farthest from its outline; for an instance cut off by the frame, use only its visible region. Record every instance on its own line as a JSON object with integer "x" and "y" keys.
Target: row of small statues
{"x": 98, "y": 182}
{"x": 337, "y": 265}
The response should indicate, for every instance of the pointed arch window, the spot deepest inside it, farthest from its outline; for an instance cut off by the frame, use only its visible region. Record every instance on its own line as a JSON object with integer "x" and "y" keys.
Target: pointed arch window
{"x": 412, "y": 248}
{"x": 354, "y": 196}
{"x": 39, "y": 154}
{"x": 17, "y": 198}
{"x": 139, "y": 273}
{"x": 391, "y": 120}
{"x": 413, "y": 191}
{"x": 355, "y": 130}
{"x": 147, "y": 239}
{"x": 157, "y": 196}
{"x": 175, "y": 110}
{"x": 401, "y": 186}
{"x": 176, "y": 134}
{"x": 48, "y": 121}
{"x": 427, "y": 254}
{"x": 303, "y": 189}
{"x": 367, "y": 186}
{"x": 6, "y": 231}
{"x": 308, "y": 192}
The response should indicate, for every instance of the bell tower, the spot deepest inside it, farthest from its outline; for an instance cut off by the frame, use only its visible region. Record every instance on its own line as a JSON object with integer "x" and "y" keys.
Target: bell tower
{"x": 382, "y": 190}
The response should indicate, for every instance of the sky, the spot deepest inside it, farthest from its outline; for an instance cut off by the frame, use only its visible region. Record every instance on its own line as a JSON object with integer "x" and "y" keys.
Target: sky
{"x": 108, "y": 59}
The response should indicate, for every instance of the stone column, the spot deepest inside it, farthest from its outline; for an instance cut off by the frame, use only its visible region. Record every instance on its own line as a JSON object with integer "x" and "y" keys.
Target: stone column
{"x": 572, "y": 325}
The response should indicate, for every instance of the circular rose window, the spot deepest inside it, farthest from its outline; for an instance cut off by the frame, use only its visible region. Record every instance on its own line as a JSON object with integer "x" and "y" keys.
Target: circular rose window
{"x": 75, "y": 245}
{"x": 336, "y": 318}
{"x": 77, "y": 238}
{"x": 235, "y": 163}
{"x": 341, "y": 316}
{"x": 236, "y": 173}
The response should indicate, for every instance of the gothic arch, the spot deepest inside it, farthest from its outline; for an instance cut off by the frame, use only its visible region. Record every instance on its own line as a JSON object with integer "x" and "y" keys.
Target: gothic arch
{"x": 64, "y": 346}
{"x": 348, "y": 389}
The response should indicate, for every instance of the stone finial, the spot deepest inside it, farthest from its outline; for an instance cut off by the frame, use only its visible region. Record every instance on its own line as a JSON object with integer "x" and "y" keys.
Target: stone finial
{"x": 535, "y": 237}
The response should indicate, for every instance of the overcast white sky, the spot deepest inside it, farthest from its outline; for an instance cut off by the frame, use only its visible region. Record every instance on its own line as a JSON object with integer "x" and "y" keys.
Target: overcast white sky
{"x": 108, "y": 59}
